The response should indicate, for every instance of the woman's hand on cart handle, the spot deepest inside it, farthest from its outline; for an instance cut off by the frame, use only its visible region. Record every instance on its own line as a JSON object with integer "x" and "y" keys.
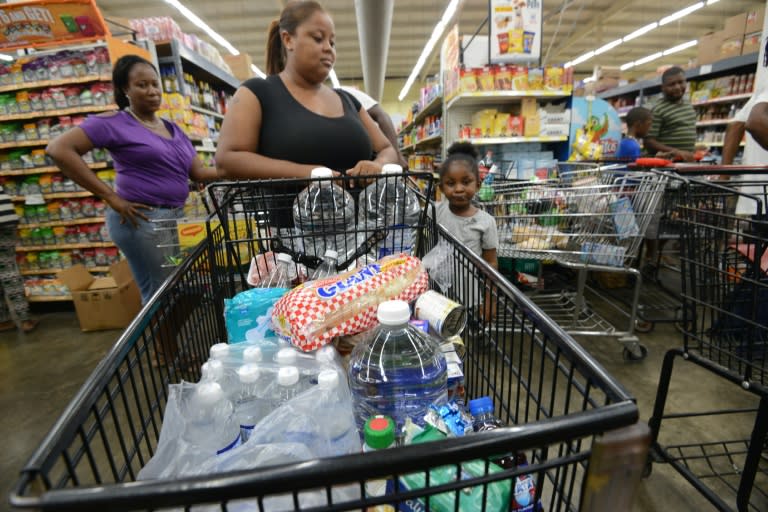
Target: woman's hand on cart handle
{"x": 362, "y": 169}
{"x": 128, "y": 210}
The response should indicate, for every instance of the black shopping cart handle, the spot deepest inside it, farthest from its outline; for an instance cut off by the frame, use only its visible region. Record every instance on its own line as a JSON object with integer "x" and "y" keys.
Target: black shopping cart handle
{"x": 299, "y": 257}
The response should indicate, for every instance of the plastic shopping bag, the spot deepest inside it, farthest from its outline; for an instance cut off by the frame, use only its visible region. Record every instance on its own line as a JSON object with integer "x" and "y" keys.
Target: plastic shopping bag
{"x": 439, "y": 264}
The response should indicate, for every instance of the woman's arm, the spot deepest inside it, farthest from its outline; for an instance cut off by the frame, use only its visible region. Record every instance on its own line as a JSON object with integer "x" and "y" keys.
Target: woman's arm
{"x": 67, "y": 150}
{"x": 200, "y": 172}
{"x": 385, "y": 153}
{"x": 236, "y": 155}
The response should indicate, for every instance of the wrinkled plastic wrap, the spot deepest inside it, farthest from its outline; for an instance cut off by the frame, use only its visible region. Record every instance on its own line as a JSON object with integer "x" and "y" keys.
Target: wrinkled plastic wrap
{"x": 439, "y": 264}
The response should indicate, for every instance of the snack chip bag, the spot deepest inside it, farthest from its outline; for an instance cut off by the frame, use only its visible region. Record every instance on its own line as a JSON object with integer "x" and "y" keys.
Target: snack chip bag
{"x": 314, "y": 313}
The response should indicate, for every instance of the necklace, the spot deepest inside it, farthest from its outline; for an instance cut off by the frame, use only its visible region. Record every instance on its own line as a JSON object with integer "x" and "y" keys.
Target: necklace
{"x": 154, "y": 125}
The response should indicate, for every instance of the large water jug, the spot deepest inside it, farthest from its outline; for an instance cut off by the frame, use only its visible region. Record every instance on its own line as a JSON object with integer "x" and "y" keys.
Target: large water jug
{"x": 388, "y": 203}
{"x": 398, "y": 371}
{"x": 325, "y": 215}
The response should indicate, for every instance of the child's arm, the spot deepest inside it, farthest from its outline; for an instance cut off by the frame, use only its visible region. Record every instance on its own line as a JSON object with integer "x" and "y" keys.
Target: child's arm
{"x": 489, "y": 255}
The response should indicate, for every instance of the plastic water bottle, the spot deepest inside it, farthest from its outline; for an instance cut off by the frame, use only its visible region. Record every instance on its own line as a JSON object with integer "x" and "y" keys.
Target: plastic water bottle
{"x": 211, "y": 426}
{"x": 379, "y": 434}
{"x": 219, "y": 351}
{"x": 252, "y": 355}
{"x": 336, "y": 415}
{"x": 214, "y": 370}
{"x": 328, "y": 267}
{"x": 281, "y": 275}
{"x": 324, "y": 208}
{"x": 287, "y": 384}
{"x": 389, "y": 203}
{"x": 250, "y": 406}
{"x": 399, "y": 371}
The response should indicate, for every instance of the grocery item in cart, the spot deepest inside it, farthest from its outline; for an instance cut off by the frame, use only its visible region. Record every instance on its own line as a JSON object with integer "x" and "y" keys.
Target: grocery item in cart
{"x": 389, "y": 203}
{"x": 446, "y": 317}
{"x": 314, "y": 313}
{"x": 324, "y": 213}
{"x": 328, "y": 267}
{"x": 280, "y": 276}
{"x": 398, "y": 371}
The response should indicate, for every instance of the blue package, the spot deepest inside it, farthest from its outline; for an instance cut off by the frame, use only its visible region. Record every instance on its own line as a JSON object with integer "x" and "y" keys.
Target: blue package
{"x": 247, "y": 311}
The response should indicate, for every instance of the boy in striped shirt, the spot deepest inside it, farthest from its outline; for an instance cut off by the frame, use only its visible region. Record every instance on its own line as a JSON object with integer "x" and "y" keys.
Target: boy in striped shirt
{"x": 673, "y": 131}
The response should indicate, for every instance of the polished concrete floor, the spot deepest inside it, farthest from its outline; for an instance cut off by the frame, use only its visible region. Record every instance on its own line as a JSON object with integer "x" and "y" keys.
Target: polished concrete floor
{"x": 41, "y": 371}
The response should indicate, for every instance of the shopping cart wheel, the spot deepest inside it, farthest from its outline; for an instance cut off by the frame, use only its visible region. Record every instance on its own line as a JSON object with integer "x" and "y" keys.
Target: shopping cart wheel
{"x": 644, "y": 326}
{"x": 637, "y": 353}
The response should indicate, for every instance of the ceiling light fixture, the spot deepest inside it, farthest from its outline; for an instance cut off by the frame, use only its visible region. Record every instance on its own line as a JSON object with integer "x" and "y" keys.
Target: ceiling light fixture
{"x": 608, "y": 46}
{"x": 681, "y": 13}
{"x": 710, "y": 2}
{"x": 334, "y": 79}
{"x": 258, "y": 72}
{"x": 203, "y": 26}
{"x": 680, "y": 47}
{"x": 647, "y": 59}
{"x": 582, "y": 58}
{"x": 437, "y": 34}
{"x": 589, "y": 79}
{"x": 626, "y": 66}
{"x": 639, "y": 32}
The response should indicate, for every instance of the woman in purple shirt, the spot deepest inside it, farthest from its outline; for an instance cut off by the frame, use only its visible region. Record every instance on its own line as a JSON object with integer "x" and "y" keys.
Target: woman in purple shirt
{"x": 154, "y": 161}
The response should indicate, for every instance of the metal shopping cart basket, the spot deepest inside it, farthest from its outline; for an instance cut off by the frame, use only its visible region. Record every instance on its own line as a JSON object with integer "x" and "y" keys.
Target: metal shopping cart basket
{"x": 588, "y": 217}
{"x": 557, "y": 396}
{"x": 725, "y": 322}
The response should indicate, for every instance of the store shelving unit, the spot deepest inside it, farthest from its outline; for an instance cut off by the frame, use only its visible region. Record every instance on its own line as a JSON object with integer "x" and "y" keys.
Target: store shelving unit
{"x": 48, "y": 169}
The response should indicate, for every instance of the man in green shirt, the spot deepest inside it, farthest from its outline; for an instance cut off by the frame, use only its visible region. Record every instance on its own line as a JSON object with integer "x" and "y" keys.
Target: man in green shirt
{"x": 673, "y": 131}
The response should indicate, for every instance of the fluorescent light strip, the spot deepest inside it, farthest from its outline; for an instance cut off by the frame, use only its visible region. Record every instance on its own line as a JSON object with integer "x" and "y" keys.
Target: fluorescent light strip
{"x": 681, "y": 13}
{"x": 710, "y": 2}
{"x": 204, "y": 26}
{"x": 334, "y": 79}
{"x": 649, "y": 58}
{"x": 608, "y": 46}
{"x": 639, "y": 32}
{"x": 258, "y": 72}
{"x": 5, "y": 57}
{"x": 680, "y": 47}
{"x": 582, "y": 58}
{"x": 589, "y": 79}
{"x": 437, "y": 34}
{"x": 626, "y": 66}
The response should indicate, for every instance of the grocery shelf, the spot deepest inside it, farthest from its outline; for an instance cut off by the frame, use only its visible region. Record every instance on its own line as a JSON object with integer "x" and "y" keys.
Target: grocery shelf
{"x": 60, "y": 112}
{"x": 432, "y": 108}
{"x": 44, "y": 271}
{"x": 49, "y": 169}
{"x": 54, "y": 83}
{"x": 54, "y": 247}
{"x": 56, "y": 195}
{"x": 49, "y": 298}
{"x": 484, "y": 97}
{"x": 167, "y": 49}
{"x": 70, "y": 222}
{"x": 23, "y": 143}
{"x": 712, "y": 122}
{"x": 427, "y": 141}
{"x": 731, "y": 98}
{"x": 205, "y": 149}
{"x": 205, "y": 111}
{"x": 515, "y": 140}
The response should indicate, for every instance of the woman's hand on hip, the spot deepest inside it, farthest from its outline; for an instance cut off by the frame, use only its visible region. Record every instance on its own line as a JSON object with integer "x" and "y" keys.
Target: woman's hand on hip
{"x": 128, "y": 211}
{"x": 362, "y": 170}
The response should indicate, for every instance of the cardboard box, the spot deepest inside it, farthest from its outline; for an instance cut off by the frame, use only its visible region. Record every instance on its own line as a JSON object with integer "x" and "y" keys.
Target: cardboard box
{"x": 735, "y": 25}
{"x": 731, "y": 47}
{"x": 240, "y": 66}
{"x": 532, "y": 126}
{"x": 709, "y": 47}
{"x": 529, "y": 107}
{"x": 751, "y": 43}
{"x": 755, "y": 19}
{"x": 606, "y": 72}
{"x": 103, "y": 303}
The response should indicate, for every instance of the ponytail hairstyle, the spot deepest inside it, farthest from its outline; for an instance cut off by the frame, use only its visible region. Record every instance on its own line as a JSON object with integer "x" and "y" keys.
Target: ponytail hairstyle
{"x": 464, "y": 153}
{"x": 294, "y": 14}
{"x": 120, "y": 73}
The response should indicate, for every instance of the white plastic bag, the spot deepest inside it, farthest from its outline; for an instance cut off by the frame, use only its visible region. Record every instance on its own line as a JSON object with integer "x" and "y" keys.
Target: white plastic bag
{"x": 439, "y": 264}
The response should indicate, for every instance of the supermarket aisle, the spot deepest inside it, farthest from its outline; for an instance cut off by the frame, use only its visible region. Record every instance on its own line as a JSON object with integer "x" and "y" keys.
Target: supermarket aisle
{"x": 40, "y": 374}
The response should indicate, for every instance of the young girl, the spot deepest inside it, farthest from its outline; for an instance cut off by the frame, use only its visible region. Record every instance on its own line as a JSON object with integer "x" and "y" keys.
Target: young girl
{"x": 459, "y": 182}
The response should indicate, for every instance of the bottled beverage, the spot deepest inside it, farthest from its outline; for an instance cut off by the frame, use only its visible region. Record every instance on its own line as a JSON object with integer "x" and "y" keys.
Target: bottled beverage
{"x": 328, "y": 267}
{"x": 324, "y": 213}
{"x": 214, "y": 370}
{"x": 379, "y": 434}
{"x": 252, "y": 355}
{"x": 389, "y": 203}
{"x": 398, "y": 371}
{"x": 211, "y": 427}
{"x": 280, "y": 275}
{"x": 219, "y": 351}
{"x": 287, "y": 384}
{"x": 249, "y": 405}
{"x": 336, "y": 415}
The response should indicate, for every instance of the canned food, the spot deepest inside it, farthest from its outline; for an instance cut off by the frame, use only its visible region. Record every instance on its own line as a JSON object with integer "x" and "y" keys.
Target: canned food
{"x": 446, "y": 317}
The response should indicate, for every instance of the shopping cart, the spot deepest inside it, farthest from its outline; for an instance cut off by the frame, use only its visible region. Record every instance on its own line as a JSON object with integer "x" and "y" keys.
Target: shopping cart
{"x": 557, "y": 396}
{"x": 587, "y": 217}
{"x": 725, "y": 324}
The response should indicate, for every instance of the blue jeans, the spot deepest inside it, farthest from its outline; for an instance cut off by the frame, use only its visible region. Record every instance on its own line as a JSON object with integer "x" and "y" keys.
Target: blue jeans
{"x": 147, "y": 247}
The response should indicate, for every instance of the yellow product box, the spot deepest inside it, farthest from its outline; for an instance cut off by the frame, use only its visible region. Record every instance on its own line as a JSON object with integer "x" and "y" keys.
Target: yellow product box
{"x": 483, "y": 122}
{"x": 485, "y": 79}
{"x": 532, "y": 126}
{"x": 529, "y": 107}
{"x": 500, "y": 124}
{"x": 553, "y": 78}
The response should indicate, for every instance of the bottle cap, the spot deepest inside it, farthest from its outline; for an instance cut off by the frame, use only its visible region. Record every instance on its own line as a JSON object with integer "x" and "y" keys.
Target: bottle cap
{"x": 248, "y": 373}
{"x": 252, "y": 355}
{"x": 330, "y": 253}
{"x": 209, "y": 393}
{"x": 393, "y": 312}
{"x": 219, "y": 351}
{"x": 286, "y": 258}
{"x": 379, "y": 432}
{"x": 328, "y": 379}
{"x": 321, "y": 172}
{"x": 326, "y": 354}
{"x": 286, "y": 356}
{"x": 391, "y": 169}
{"x": 288, "y": 376}
{"x": 482, "y": 405}
{"x": 213, "y": 369}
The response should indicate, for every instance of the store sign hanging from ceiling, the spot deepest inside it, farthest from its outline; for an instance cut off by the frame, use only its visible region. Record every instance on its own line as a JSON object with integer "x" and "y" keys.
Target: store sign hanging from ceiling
{"x": 515, "y": 30}
{"x": 41, "y": 23}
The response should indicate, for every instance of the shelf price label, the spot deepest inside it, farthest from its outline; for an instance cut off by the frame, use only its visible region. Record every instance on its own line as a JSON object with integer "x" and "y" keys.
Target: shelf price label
{"x": 207, "y": 144}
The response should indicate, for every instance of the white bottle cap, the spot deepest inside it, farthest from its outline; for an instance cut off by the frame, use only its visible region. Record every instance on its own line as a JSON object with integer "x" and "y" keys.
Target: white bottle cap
{"x": 219, "y": 351}
{"x": 252, "y": 355}
{"x": 288, "y": 376}
{"x": 330, "y": 253}
{"x": 209, "y": 393}
{"x": 321, "y": 172}
{"x": 326, "y": 354}
{"x": 213, "y": 369}
{"x": 248, "y": 373}
{"x": 391, "y": 169}
{"x": 281, "y": 256}
{"x": 393, "y": 312}
{"x": 286, "y": 356}
{"x": 328, "y": 379}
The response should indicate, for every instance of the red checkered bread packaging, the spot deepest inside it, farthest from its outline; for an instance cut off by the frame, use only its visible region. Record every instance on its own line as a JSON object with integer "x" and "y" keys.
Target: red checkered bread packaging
{"x": 314, "y": 313}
